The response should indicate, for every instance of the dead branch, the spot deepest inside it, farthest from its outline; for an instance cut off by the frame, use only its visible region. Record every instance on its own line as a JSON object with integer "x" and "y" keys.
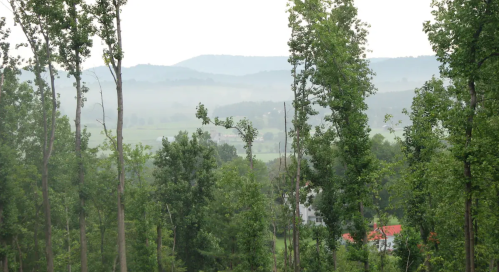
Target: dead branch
{"x": 103, "y": 122}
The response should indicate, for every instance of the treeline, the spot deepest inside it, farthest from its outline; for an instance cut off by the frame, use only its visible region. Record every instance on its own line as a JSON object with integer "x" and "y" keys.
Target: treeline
{"x": 269, "y": 114}
{"x": 196, "y": 206}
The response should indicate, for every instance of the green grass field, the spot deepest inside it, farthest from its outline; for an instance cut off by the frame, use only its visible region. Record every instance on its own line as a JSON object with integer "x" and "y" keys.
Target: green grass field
{"x": 279, "y": 245}
{"x": 148, "y": 135}
{"x": 392, "y": 221}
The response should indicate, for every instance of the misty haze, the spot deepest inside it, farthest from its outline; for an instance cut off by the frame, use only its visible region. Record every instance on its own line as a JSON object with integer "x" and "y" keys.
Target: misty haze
{"x": 249, "y": 135}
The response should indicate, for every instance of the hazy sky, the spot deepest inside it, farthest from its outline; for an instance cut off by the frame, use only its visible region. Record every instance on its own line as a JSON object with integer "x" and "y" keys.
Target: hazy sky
{"x": 165, "y": 32}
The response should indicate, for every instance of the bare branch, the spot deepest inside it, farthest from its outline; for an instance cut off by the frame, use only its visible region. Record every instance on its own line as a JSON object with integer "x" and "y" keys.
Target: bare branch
{"x": 103, "y": 122}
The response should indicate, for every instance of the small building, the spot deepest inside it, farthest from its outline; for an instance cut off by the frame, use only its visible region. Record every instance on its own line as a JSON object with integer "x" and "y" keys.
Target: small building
{"x": 379, "y": 237}
{"x": 307, "y": 213}
{"x": 215, "y": 136}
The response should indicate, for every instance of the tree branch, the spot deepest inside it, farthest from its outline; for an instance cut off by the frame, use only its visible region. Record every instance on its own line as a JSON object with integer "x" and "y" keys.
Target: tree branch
{"x": 480, "y": 63}
{"x": 103, "y": 122}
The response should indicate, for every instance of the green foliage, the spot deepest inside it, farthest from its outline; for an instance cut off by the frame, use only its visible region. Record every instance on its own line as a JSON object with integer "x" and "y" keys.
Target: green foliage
{"x": 184, "y": 180}
{"x": 196, "y": 205}
{"x": 331, "y": 39}
{"x": 408, "y": 248}
{"x": 227, "y": 152}
{"x": 244, "y": 128}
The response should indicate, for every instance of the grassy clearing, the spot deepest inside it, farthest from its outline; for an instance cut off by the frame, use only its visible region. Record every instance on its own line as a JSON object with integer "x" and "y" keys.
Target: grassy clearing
{"x": 392, "y": 220}
{"x": 279, "y": 245}
{"x": 148, "y": 135}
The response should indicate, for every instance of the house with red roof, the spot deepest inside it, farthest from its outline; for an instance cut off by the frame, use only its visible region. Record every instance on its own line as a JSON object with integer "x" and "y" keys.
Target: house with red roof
{"x": 380, "y": 237}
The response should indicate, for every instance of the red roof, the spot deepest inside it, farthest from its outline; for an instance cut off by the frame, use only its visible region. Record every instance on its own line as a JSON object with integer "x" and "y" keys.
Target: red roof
{"x": 377, "y": 234}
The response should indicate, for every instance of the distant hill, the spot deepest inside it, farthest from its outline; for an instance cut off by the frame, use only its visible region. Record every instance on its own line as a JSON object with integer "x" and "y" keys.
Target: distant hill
{"x": 151, "y": 89}
{"x": 235, "y": 65}
{"x": 240, "y": 65}
{"x": 391, "y": 74}
{"x": 405, "y": 69}
{"x": 387, "y": 69}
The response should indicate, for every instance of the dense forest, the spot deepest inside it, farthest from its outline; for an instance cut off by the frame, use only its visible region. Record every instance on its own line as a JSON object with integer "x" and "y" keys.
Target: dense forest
{"x": 196, "y": 205}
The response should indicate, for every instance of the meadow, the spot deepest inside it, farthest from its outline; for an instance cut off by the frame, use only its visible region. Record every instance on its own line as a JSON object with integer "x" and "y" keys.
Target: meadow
{"x": 148, "y": 135}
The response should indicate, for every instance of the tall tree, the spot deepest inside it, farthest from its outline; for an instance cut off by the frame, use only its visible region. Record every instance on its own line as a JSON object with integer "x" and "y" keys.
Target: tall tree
{"x": 422, "y": 141}
{"x": 323, "y": 159}
{"x": 36, "y": 19}
{"x": 301, "y": 60}
{"x": 4, "y": 199}
{"x": 73, "y": 36}
{"x": 4, "y": 51}
{"x": 343, "y": 77}
{"x": 185, "y": 179}
{"x": 108, "y": 13}
{"x": 464, "y": 37}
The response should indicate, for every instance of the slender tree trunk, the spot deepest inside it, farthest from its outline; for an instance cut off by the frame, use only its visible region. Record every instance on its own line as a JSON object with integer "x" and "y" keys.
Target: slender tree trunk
{"x": 317, "y": 246}
{"x": 35, "y": 235}
{"x": 69, "y": 239}
{"x": 468, "y": 218}
{"x": 121, "y": 161}
{"x": 173, "y": 247}
{"x": 5, "y": 264}
{"x": 174, "y": 236}
{"x": 102, "y": 230}
{"x": 115, "y": 263}
{"x": 285, "y": 248}
{"x": 364, "y": 240}
{"x": 284, "y": 202}
{"x": 81, "y": 174}
{"x": 1, "y": 84}
{"x": 296, "y": 230}
{"x": 48, "y": 147}
{"x": 158, "y": 247}
{"x": 20, "y": 254}
{"x": 48, "y": 223}
{"x": 334, "y": 260}
{"x": 273, "y": 247}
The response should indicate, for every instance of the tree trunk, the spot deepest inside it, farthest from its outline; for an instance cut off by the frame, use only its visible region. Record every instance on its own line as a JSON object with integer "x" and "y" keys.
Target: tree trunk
{"x": 20, "y": 254}
{"x": 174, "y": 236}
{"x": 158, "y": 248}
{"x": 317, "y": 247}
{"x": 284, "y": 202}
{"x": 1, "y": 84}
{"x": 48, "y": 223}
{"x": 81, "y": 174}
{"x": 364, "y": 240}
{"x": 173, "y": 247}
{"x": 468, "y": 225}
{"x": 121, "y": 162}
{"x": 5, "y": 264}
{"x": 35, "y": 235}
{"x": 286, "y": 247}
{"x": 69, "y": 239}
{"x": 296, "y": 231}
{"x": 115, "y": 263}
{"x": 334, "y": 260}
{"x": 48, "y": 147}
{"x": 468, "y": 218}
{"x": 102, "y": 230}
{"x": 273, "y": 247}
